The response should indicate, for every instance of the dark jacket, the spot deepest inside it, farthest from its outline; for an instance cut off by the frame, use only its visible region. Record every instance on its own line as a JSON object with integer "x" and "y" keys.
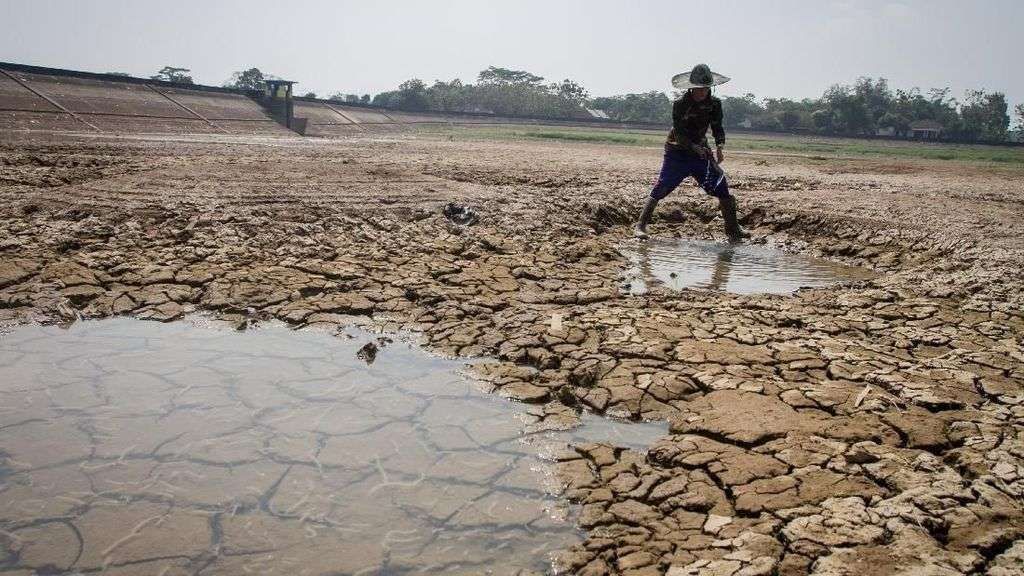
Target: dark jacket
{"x": 690, "y": 122}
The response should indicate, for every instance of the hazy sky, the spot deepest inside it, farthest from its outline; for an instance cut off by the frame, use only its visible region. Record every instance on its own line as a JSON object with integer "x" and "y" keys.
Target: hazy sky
{"x": 779, "y": 48}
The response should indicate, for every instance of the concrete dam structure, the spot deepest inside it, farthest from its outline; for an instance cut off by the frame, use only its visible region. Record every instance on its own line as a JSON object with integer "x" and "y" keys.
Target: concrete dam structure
{"x": 48, "y": 99}
{"x": 33, "y": 98}
{"x": 65, "y": 101}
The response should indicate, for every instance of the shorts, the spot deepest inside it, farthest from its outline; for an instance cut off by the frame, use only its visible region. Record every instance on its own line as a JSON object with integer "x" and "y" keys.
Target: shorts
{"x": 677, "y": 165}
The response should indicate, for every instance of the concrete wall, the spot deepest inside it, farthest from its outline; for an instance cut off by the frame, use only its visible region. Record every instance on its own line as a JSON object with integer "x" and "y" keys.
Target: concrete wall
{"x": 59, "y": 102}
{"x": 49, "y": 99}
{"x": 334, "y": 119}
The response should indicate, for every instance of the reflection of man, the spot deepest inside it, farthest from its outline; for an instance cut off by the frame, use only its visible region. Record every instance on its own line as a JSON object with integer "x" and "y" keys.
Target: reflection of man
{"x": 643, "y": 260}
{"x": 687, "y": 152}
{"x": 720, "y": 273}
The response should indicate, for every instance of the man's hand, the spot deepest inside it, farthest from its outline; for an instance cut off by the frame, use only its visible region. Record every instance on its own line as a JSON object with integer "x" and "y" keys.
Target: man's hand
{"x": 719, "y": 155}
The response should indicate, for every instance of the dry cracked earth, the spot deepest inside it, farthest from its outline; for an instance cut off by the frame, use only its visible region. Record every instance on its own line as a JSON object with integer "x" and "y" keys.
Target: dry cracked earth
{"x": 868, "y": 428}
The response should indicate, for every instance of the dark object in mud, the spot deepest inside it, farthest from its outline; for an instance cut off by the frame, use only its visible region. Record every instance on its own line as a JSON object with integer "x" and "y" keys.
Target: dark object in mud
{"x": 368, "y": 353}
{"x": 604, "y": 216}
{"x": 462, "y": 215}
{"x": 861, "y": 456}
{"x": 565, "y": 396}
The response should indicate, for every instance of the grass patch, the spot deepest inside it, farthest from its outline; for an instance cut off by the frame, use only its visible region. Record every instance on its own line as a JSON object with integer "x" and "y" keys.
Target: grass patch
{"x": 830, "y": 148}
{"x": 616, "y": 138}
{"x": 812, "y": 147}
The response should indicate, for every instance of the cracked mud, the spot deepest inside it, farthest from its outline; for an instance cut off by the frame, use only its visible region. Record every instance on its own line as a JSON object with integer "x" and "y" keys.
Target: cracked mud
{"x": 189, "y": 450}
{"x": 872, "y": 427}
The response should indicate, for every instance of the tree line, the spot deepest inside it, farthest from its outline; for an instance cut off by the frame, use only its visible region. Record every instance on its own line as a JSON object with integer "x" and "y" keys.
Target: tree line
{"x": 500, "y": 91}
{"x": 867, "y": 107}
{"x": 870, "y": 106}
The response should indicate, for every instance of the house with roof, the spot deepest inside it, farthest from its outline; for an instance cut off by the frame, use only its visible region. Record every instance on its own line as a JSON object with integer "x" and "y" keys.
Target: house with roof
{"x": 925, "y": 129}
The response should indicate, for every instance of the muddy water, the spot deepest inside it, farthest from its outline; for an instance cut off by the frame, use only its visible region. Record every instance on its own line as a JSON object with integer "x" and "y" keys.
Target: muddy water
{"x": 186, "y": 449}
{"x": 738, "y": 268}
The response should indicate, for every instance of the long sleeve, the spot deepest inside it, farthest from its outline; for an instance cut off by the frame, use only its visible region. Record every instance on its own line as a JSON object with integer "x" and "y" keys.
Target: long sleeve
{"x": 682, "y": 140}
{"x": 717, "y": 130}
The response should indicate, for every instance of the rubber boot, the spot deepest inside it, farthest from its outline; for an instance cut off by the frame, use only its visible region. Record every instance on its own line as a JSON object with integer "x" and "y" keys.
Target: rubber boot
{"x": 732, "y": 226}
{"x": 645, "y": 218}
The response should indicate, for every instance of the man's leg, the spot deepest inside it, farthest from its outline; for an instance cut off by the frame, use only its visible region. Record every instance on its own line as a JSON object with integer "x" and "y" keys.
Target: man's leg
{"x": 715, "y": 183}
{"x": 673, "y": 171}
{"x": 736, "y": 232}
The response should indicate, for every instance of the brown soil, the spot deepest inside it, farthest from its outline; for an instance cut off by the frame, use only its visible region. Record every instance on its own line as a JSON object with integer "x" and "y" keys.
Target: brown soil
{"x": 867, "y": 428}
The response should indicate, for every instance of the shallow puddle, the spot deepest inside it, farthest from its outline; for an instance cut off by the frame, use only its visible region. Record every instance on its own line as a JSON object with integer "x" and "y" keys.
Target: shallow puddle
{"x": 739, "y": 268}
{"x": 187, "y": 449}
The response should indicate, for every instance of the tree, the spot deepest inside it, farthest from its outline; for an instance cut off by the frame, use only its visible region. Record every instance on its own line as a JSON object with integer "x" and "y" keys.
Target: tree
{"x": 121, "y": 74}
{"x": 340, "y": 97}
{"x": 570, "y": 91}
{"x": 507, "y": 77}
{"x": 309, "y": 95}
{"x": 875, "y": 97}
{"x": 173, "y": 74}
{"x": 768, "y": 123}
{"x": 943, "y": 109}
{"x": 824, "y": 120}
{"x": 518, "y": 92}
{"x": 856, "y": 109}
{"x": 849, "y": 114}
{"x": 411, "y": 95}
{"x": 451, "y": 96}
{"x": 906, "y": 107}
{"x": 899, "y": 123}
{"x": 787, "y": 114}
{"x": 497, "y": 91}
{"x": 651, "y": 106}
{"x": 739, "y": 110}
{"x": 984, "y": 116}
{"x": 251, "y": 79}
{"x": 790, "y": 120}
{"x": 1019, "y": 110}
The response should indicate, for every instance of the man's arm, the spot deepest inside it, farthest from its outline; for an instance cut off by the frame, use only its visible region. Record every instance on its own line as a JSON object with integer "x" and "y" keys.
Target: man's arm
{"x": 717, "y": 130}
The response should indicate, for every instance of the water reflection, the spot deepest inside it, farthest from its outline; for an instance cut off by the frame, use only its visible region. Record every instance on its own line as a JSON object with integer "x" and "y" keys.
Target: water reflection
{"x": 177, "y": 449}
{"x": 739, "y": 268}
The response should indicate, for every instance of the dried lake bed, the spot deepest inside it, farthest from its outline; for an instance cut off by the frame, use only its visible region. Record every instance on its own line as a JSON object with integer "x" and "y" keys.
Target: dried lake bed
{"x": 866, "y": 423}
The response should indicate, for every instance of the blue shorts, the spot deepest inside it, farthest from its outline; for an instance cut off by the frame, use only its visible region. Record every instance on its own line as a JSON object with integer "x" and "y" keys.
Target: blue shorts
{"x": 677, "y": 165}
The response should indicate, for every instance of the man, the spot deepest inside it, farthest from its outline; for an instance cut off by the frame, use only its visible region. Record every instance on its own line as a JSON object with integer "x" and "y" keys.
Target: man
{"x": 687, "y": 152}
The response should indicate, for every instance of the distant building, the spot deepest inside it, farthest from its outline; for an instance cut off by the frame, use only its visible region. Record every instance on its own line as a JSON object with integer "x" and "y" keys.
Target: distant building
{"x": 925, "y": 129}
{"x": 599, "y": 114}
{"x": 476, "y": 109}
{"x": 887, "y": 131}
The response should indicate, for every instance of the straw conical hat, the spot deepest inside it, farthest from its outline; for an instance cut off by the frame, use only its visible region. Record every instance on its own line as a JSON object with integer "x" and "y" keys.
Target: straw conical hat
{"x": 700, "y": 77}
